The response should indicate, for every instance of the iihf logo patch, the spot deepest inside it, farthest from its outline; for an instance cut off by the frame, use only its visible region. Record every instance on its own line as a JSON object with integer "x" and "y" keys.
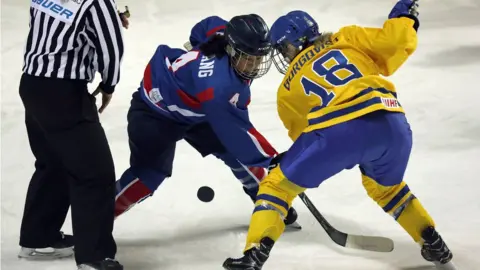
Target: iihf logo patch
{"x": 390, "y": 102}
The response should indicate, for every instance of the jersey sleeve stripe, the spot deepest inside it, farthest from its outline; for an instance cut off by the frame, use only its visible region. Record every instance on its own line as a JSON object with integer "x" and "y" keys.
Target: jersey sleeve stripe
{"x": 263, "y": 146}
{"x": 214, "y": 30}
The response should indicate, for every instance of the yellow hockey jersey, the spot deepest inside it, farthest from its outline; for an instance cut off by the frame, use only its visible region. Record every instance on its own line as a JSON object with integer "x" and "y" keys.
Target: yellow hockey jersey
{"x": 328, "y": 86}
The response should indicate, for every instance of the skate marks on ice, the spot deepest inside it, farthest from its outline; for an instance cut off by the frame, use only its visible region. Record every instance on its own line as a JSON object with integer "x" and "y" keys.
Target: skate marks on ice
{"x": 194, "y": 245}
{"x": 207, "y": 245}
{"x": 405, "y": 256}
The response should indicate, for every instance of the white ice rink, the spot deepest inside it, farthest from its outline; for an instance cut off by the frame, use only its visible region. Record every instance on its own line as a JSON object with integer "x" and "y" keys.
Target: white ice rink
{"x": 438, "y": 87}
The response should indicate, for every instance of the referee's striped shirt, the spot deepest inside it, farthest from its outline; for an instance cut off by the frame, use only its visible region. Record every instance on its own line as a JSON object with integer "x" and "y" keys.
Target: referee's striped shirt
{"x": 73, "y": 39}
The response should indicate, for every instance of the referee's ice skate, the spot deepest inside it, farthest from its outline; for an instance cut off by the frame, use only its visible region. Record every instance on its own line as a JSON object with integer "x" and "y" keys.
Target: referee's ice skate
{"x": 63, "y": 248}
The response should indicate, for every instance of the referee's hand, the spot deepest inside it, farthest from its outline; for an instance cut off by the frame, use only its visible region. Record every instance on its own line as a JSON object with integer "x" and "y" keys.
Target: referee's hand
{"x": 124, "y": 17}
{"x": 125, "y": 21}
{"x": 105, "y": 98}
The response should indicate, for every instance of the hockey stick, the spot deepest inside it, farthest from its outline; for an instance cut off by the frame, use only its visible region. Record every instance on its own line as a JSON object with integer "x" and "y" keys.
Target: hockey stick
{"x": 363, "y": 242}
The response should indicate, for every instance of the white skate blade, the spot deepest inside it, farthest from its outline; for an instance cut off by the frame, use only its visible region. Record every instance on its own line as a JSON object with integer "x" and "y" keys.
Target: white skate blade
{"x": 447, "y": 266}
{"x": 85, "y": 267}
{"x": 45, "y": 253}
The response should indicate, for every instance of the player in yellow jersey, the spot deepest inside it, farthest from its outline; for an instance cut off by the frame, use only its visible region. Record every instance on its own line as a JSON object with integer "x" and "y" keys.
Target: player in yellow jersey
{"x": 340, "y": 112}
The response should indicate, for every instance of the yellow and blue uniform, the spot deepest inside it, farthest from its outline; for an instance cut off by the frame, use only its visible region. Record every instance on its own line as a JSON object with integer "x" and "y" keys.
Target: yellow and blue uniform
{"x": 340, "y": 112}
{"x": 325, "y": 87}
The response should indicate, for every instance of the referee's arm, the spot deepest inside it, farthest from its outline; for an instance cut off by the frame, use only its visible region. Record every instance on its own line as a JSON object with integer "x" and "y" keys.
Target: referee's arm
{"x": 104, "y": 21}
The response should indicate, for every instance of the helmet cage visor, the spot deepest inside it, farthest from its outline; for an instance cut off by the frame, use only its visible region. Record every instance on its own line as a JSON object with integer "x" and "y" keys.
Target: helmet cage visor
{"x": 285, "y": 52}
{"x": 249, "y": 66}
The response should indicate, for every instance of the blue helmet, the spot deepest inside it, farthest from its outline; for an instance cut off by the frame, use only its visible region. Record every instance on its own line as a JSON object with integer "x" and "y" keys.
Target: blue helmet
{"x": 296, "y": 28}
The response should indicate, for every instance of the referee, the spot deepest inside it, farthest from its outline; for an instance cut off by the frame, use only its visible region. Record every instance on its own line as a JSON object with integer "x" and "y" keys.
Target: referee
{"x": 68, "y": 42}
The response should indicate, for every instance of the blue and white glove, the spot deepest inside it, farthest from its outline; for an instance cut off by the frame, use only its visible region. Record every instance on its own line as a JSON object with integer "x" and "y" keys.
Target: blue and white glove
{"x": 406, "y": 8}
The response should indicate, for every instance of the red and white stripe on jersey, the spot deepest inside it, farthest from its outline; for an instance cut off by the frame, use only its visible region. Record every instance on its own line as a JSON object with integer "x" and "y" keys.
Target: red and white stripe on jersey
{"x": 254, "y": 173}
{"x": 130, "y": 195}
{"x": 155, "y": 97}
{"x": 195, "y": 102}
{"x": 263, "y": 146}
{"x": 215, "y": 30}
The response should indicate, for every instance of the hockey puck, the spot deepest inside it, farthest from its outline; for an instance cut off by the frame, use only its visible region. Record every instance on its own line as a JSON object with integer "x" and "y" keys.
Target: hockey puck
{"x": 205, "y": 194}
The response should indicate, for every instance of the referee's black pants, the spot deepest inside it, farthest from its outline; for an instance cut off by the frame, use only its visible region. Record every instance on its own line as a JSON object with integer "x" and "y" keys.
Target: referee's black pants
{"x": 74, "y": 166}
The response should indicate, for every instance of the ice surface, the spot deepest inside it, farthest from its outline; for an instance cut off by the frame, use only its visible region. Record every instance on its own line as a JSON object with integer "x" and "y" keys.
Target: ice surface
{"x": 174, "y": 230}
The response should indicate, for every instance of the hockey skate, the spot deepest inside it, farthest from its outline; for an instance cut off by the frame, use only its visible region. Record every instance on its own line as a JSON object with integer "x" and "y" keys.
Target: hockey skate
{"x": 291, "y": 221}
{"x": 253, "y": 259}
{"x": 107, "y": 264}
{"x": 435, "y": 250}
{"x": 62, "y": 249}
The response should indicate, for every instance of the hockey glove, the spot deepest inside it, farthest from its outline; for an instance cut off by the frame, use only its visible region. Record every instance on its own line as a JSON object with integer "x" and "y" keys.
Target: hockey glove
{"x": 406, "y": 8}
{"x": 275, "y": 161}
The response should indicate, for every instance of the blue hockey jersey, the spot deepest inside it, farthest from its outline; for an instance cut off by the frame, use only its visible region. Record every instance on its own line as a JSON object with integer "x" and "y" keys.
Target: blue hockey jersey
{"x": 206, "y": 28}
{"x": 190, "y": 87}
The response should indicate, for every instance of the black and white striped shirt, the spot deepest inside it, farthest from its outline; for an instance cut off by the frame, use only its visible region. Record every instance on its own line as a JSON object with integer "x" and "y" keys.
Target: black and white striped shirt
{"x": 72, "y": 39}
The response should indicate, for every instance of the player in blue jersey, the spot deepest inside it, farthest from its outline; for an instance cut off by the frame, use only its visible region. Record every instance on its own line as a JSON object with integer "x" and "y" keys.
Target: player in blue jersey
{"x": 201, "y": 96}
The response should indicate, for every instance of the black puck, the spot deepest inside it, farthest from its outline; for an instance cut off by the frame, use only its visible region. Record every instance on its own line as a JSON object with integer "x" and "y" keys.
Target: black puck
{"x": 205, "y": 194}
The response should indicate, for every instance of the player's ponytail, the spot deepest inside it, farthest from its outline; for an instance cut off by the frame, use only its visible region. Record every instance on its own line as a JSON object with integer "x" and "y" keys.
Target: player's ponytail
{"x": 215, "y": 46}
{"x": 324, "y": 40}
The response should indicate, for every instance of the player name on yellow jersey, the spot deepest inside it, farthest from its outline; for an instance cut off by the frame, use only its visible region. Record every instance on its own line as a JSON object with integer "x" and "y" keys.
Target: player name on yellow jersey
{"x": 297, "y": 65}
{"x": 325, "y": 86}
